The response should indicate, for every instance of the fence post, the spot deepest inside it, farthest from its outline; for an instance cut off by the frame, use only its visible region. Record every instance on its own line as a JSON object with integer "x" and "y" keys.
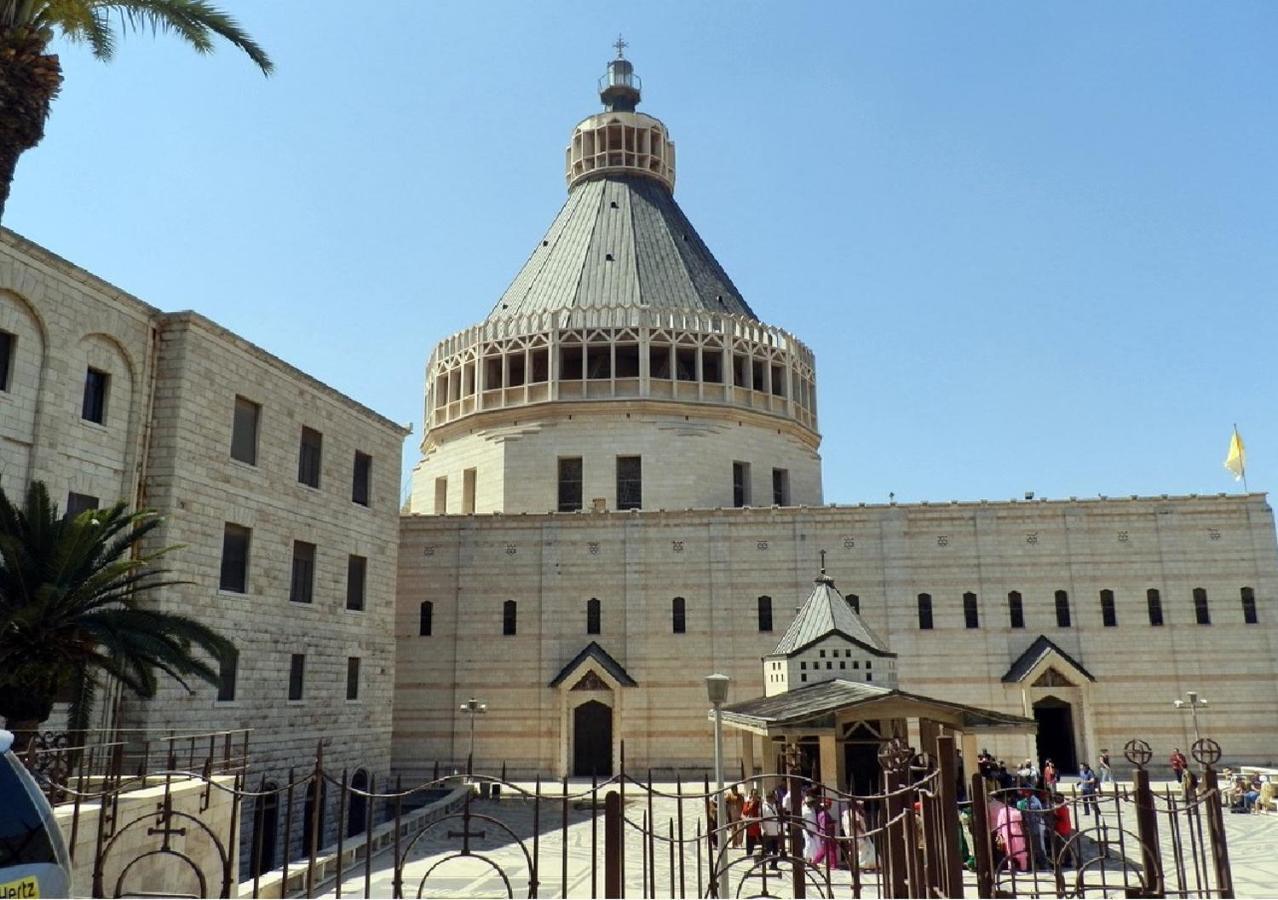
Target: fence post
{"x": 1147, "y": 828}
{"x": 797, "y": 828}
{"x": 952, "y": 864}
{"x": 981, "y": 838}
{"x": 613, "y": 837}
{"x": 1216, "y": 830}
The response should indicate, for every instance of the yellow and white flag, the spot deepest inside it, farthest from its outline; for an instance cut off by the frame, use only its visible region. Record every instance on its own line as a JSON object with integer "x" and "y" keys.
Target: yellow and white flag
{"x": 1236, "y": 461}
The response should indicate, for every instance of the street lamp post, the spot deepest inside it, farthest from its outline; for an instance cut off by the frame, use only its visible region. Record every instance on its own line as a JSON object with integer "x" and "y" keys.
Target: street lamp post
{"x": 717, "y": 691}
{"x": 1194, "y": 703}
{"x": 474, "y": 708}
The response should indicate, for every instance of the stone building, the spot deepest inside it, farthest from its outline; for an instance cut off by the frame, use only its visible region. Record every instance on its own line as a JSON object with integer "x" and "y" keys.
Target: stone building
{"x": 281, "y": 493}
{"x": 620, "y": 492}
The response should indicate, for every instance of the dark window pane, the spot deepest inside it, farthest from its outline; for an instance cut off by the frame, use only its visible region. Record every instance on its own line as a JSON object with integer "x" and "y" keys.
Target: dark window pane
{"x": 740, "y": 484}
{"x": 1109, "y": 615}
{"x": 244, "y": 431}
{"x": 855, "y": 602}
{"x": 570, "y": 484}
{"x": 1249, "y": 606}
{"x": 228, "y": 671}
{"x": 296, "y": 674}
{"x": 508, "y": 612}
{"x": 925, "y": 611}
{"x": 1155, "y": 604}
{"x": 658, "y": 361}
{"x": 235, "y": 554}
{"x": 629, "y": 482}
{"x": 308, "y": 457}
{"x": 678, "y": 616}
{"x": 78, "y": 503}
{"x": 592, "y": 616}
{"x": 425, "y": 617}
{"x": 1062, "y": 609}
{"x": 780, "y": 487}
{"x": 356, "y": 575}
{"x": 1202, "y": 614}
{"x": 7, "y": 342}
{"x": 765, "y": 613}
{"x": 363, "y": 474}
{"x": 352, "y": 678}
{"x": 971, "y": 618}
{"x": 301, "y": 590}
{"x": 1015, "y": 610}
{"x": 95, "y": 394}
{"x": 685, "y": 364}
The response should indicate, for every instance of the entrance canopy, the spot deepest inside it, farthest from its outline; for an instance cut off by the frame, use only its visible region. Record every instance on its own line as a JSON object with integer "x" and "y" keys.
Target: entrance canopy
{"x": 819, "y": 708}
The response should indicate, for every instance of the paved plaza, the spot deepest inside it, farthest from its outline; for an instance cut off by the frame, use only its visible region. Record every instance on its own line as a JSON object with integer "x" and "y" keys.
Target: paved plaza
{"x": 435, "y": 870}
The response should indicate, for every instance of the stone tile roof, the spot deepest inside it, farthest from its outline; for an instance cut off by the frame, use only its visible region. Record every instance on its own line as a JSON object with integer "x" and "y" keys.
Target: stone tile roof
{"x": 824, "y": 699}
{"x": 1042, "y": 646}
{"x": 621, "y": 240}
{"x": 599, "y": 655}
{"x": 824, "y": 613}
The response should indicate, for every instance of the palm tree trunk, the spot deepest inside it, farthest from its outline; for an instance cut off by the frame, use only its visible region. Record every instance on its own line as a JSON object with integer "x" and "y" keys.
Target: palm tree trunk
{"x": 29, "y": 80}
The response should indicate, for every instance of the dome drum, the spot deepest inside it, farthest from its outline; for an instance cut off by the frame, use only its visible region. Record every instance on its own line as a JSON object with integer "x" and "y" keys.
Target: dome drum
{"x": 617, "y": 354}
{"x": 620, "y": 143}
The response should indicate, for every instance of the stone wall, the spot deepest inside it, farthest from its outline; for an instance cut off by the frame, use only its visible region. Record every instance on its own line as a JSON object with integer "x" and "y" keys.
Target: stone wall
{"x": 721, "y": 561}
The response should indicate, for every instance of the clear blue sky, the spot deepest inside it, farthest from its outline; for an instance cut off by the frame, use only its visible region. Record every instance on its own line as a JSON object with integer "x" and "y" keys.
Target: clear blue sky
{"x": 1033, "y": 245}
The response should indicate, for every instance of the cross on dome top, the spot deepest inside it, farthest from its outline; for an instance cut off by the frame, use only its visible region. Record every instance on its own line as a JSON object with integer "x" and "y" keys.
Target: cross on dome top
{"x": 621, "y": 46}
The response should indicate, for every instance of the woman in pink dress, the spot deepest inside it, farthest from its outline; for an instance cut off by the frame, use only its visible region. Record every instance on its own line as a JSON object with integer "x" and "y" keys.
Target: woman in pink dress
{"x": 1009, "y": 831}
{"x": 827, "y": 847}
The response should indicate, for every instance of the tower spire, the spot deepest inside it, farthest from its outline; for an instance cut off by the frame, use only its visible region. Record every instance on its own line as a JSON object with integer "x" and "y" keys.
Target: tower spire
{"x": 619, "y": 87}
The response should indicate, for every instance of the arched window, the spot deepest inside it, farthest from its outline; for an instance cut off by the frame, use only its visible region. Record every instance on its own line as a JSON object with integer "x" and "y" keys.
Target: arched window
{"x": 971, "y": 618}
{"x": 1015, "y": 609}
{"x": 425, "y": 616}
{"x": 678, "y": 616}
{"x": 1202, "y": 615}
{"x": 765, "y": 613}
{"x": 357, "y": 804}
{"x": 856, "y": 603}
{"x": 1155, "y": 604}
{"x": 1062, "y": 609}
{"x": 508, "y": 617}
{"x": 925, "y": 611}
{"x": 1249, "y": 606}
{"x": 592, "y": 616}
{"x": 1109, "y": 616}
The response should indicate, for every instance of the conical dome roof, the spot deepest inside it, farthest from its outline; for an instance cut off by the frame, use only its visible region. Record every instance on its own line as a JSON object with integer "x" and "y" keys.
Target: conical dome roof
{"x": 621, "y": 240}
{"x": 827, "y": 612}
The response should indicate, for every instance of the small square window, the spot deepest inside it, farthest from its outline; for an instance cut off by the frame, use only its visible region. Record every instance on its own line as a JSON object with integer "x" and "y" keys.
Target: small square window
{"x": 842, "y": 664}
{"x": 296, "y": 675}
{"x": 829, "y": 664}
{"x": 356, "y": 576}
{"x": 856, "y": 663}
{"x": 822, "y": 654}
{"x": 95, "y": 396}
{"x": 78, "y": 503}
{"x": 869, "y": 676}
{"x": 352, "y": 678}
{"x": 803, "y": 677}
{"x": 244, "y": 426}
{"x": 803, "y": 665}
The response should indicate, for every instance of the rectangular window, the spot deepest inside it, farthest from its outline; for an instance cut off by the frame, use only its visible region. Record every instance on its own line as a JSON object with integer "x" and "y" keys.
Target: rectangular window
{"x": 629, "y": 482}
{"x": 508, "y": 620}
{"x": 7, "y": 342}
{"x": 361, "y": 487}
{"x": 1202, "y": 614}
{"x": 765, "y": 613}
{"x": 658, "y": 361}
{"x": 228, "y": 671}
{"x": 296, "y": 675}
{"x": 855, "y": 603}
{"x": 678, "y": 616}
{"x": 441, "y": 495}
{"x": 356, "y": 575}
{"x": 740, "y": 484}
{"x": 78, "y": 503}
{"x": 244, "y": 431}
{"x": 425, "y": 618}
{"x": 302, "y": 587}
{"x": 971, "y": 617}
{"x": 592, "y": 616}
{"x": 925, "y": 612}
{"x": 570, "y": 483}
{"x": 1154, "y": 603}
{"x": 95, "y": 396}
{"x": 1015, "y": 609}
{"x": 1062, "y": 609}
{"x": 235, "y": 558}
{"x": 308, "y": 457}
{"x": 352, "y": 678}
{"x": 1249, "y": 606}
{"x": 1109, "y": 616}
{"x": 468, "y": 491}
{"x": 780, "y": 487}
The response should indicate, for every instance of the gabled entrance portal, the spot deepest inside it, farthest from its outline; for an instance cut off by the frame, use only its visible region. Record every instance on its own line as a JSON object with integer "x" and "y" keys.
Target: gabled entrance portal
{"x": 592, "y": 740}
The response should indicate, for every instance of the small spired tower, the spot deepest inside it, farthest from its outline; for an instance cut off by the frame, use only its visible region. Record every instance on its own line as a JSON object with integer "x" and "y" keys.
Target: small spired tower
{"x": 622, "y": 369}
{"x": 828, "y": 640}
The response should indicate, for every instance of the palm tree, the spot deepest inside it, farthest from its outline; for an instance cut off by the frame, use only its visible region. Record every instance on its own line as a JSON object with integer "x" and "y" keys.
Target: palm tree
{"x": 69, "y": 611}
{"x": 30, "y": 76}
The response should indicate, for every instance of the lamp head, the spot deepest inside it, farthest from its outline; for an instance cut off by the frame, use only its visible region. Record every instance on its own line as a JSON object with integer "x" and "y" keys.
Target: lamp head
{"x": 1178, "y": 703}
{"x": 717, "y": 688}
{"x": 1192, "y": 695}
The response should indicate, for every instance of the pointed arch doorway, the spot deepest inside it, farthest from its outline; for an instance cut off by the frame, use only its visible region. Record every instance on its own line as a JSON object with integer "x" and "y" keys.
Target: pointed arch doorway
{"x": 592, "y": 740}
